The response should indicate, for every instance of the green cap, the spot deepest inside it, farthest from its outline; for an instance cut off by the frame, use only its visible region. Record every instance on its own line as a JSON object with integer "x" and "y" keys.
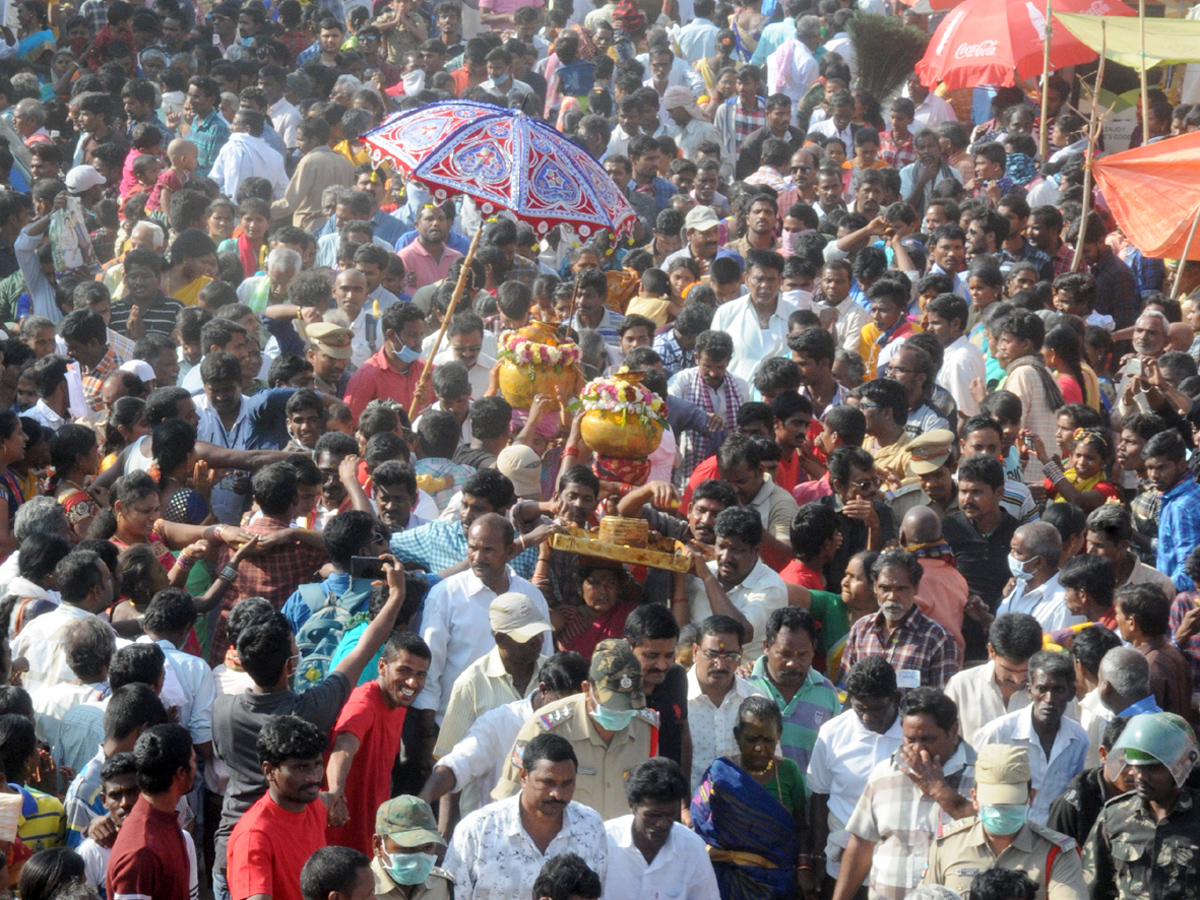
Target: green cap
{"x": 616, "y": 676}
{"x": 408, "y": 821}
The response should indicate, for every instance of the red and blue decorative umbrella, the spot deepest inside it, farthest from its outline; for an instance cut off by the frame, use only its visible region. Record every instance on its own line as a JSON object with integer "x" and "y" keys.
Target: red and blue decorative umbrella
{"x": 503, "y": 159}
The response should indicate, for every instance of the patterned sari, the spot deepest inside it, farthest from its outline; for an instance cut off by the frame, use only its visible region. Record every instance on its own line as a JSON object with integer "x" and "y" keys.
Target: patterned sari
{"x": 751, "y": 837}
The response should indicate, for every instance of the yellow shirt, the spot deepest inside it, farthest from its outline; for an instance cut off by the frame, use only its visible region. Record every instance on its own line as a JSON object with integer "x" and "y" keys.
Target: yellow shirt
{"x": 189, "y": 294}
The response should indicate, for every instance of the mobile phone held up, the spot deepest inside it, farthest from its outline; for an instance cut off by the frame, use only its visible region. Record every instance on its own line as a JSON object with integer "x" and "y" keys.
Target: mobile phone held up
{"x": 369, "y": 567}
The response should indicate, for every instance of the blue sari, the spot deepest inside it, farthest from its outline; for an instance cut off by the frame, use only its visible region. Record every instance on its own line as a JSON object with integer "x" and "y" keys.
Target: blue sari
{"x": 37, "y": 43}
{"x": 751, "y": 838}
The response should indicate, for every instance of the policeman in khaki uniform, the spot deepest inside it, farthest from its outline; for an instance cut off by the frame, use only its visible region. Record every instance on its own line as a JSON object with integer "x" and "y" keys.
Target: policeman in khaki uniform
{"x": 1000, "y": 835}
{"x": 406, "y": 846}
{"x": 608, "y": 726}
{"x": 1146, "y": 844}
{"x": 928, "y": 452}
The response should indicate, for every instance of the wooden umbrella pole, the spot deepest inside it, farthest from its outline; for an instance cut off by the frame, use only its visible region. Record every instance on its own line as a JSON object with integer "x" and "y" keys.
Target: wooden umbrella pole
{"x": 1044, "y": 144}
{"x": 1091, "y": 152}
{"x": 1183, "y": 260}
{"x": 574, "y": 297}
{"x": 463, "y": 274}
{"x": 1145, "y": 89}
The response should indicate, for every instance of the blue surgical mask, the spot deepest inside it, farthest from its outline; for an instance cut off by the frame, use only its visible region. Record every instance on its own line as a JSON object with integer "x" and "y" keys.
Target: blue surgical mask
{"x": 409, "y": 868}
{"x": 1003, "y": 818}
{"x": 1017, "y": 568}
{"x": 407, "y": 354}
{"x": 612, "y": 719}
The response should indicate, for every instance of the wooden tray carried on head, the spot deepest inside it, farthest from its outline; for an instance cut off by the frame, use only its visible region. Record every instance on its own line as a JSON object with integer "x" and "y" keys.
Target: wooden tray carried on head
{"x": 656, "y": 556}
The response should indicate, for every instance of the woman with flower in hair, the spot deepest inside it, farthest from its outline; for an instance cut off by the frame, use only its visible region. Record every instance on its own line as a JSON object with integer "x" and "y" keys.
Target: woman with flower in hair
{"x": 74, "y": 457}
{"x": 1086, "y": 482}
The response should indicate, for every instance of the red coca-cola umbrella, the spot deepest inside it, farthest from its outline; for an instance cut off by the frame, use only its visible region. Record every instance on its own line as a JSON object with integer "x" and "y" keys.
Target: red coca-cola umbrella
{"x": 997, "y": 41}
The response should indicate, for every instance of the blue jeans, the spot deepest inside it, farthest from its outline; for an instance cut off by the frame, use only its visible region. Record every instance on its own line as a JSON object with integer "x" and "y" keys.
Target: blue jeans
{"x": 220, "y": 886}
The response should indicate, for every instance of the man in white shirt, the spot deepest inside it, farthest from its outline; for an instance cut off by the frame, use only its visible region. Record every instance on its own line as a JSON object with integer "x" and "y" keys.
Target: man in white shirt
{"x": 86, "y": 586}
{"x": 688, "y": 126}
{"x": 985, "y": 693}
{"x": 758, "y": 323}
{"x": 715, "y": 692}
{"x": 246, "y": 154}
{"x": 498, "y": 851}
{"x": 1043, "y": 724}
{"x": 1035, "y": 551}
{"x": 792, "y": 68}
{"x": 839, "y": 125}
{"x": 931, "y": 110}
{"x": 465, "y": 339}
{"x": 848, "y": 747}
{"x": 455, "y": 622}
{"x": 284, "y": 116}
{"x": 89, "y": 645}
{"x": 697, "y": 39}
{"x": 962, "y": 361}
{"x": 651, "y": 855}
{"x": 737, "y": 584}
{"x": 835, "y": 286}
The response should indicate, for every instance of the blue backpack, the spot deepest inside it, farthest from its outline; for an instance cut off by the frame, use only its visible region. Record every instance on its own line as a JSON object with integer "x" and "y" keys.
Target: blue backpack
{"x": 331, "y": 617}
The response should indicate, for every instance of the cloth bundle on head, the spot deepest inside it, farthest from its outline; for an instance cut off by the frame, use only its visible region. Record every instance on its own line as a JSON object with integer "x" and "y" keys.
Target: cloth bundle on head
{"x": 628, "y": 18}
{"x": 679, "y": 97}
{"x": 1021, "y": 168}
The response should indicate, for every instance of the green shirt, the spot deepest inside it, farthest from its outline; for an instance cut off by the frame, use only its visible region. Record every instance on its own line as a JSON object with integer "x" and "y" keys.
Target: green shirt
{"x": 788, "y": 787}
{"x": 827, "y": 608}
{"x": 813, "y": 705}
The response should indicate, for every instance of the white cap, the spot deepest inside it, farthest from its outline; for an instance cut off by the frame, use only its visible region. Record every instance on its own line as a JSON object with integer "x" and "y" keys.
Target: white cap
{"x": 83, "y": 178}
{"x": 141, "y": 369}
{"x": 523, "y": 466}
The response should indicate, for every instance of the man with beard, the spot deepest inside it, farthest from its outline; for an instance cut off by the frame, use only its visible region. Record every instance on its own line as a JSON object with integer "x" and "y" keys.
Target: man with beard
{"x": 271, "y": 842}
{"x": 922, "y": 652}
{"x": 1057, "y": 745}
{"x": 365, "y": 738}
{"x": 649, "y": 850}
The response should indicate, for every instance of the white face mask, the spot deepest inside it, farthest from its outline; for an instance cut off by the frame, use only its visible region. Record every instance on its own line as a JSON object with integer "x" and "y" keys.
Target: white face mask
{"x": 1017, "y": 568}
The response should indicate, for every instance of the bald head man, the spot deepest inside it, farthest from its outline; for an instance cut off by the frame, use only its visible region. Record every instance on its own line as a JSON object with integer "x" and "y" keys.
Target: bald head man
{"x": 1034, "y": 554}
{"x": 920, "y": 525}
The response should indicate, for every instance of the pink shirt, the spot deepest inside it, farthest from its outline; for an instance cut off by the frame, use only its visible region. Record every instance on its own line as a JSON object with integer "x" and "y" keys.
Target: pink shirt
{"x": 424, "y": 268}
{"x": 942, "y": 596}
{"x": 505, "y": 8}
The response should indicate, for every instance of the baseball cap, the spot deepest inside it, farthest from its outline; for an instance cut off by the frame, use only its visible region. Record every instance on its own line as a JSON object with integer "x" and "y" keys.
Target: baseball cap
{"x": 1002, "y": 774}
{"x": 700, "y": 218}
{"x": 524, "y": 468}
{"x": 332, "y": 340}
{"x": 616, "y": 676}
{"x": 83, "y": 178}
{"x": 513, "y": 614}
{"x": 930, "y": 450}
{"x": 408, "y": 821}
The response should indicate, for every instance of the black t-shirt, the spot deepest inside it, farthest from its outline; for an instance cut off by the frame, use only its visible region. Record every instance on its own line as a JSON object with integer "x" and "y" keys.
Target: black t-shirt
{"x": 983, "y": 561}
{"x": 669, "y": 700}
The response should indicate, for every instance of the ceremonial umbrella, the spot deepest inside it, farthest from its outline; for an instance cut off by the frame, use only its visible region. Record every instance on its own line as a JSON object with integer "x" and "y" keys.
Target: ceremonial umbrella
{"x": 997, "y": 41}
{"x": 503, "y": 160}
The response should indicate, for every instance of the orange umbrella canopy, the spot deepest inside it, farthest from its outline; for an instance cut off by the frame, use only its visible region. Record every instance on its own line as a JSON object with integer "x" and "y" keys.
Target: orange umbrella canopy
{"x": 1154, "y": 193}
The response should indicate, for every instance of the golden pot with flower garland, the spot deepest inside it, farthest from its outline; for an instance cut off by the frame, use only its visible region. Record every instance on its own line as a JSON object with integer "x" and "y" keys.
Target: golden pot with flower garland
{"x": 533, "y": 361}
{"x": 622, "y": 419}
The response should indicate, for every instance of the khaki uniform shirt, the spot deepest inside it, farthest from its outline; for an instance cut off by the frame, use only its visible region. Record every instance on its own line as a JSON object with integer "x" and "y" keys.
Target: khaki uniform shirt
{"x": 961, "y": 851}
{"x": 600, "y": 779}
{"x": 438, "y": 886}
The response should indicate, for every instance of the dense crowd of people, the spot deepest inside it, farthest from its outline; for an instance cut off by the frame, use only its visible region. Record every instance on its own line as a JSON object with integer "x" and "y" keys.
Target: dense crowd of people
{"x": 281, "y": 615}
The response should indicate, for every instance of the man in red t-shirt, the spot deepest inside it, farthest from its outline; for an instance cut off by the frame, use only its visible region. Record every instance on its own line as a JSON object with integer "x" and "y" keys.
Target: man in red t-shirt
{"x": 149, "y": 857}
{"x": 276, "y": 836}
{"x": 366, "y": 740}
{"x": 815, "y": 539}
